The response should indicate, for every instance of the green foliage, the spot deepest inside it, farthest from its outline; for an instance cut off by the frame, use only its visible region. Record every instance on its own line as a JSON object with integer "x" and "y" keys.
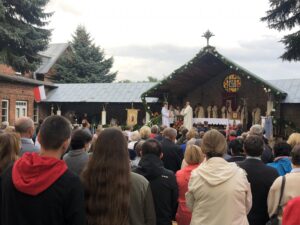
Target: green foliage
{"x": 22, "y": 34}
{"x": 285, "y": 15}
{"x": 86, "y": 63}
{"x": 152, "y": 79}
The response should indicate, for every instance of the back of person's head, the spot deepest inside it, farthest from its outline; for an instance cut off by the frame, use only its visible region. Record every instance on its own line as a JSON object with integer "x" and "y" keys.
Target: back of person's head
{"x": 239, "y": 126}
{"x": 191, "y": 134}
{"x": 108, "y": 175}
{"x": 4, "y": 124}
{"x": 154, "y": 129}
{"x": 254, "y": 145}
{"x": 170, "y": 133}
{"x": 80, "y": 138}
{"x": 282, "y": 149}
{"x": 294, "y": 139}
{"x": 152, "y": 146}
{"x": 138, "y": 147}
{"x": 296, "y": 155}
{"x": 135, "y": 136}
{"x": 24, "y": 125}
{"x": 85, "y": 123}
{"x": 145, "y": 132}
{"x": 232, "y": 133}
{"x": 213, "y": 144}
{"x": 54, "y": 132}
{"x": 236, "y": 146}
{"x": 193, "y": 155}
{"x": 256, "y": 129}
{"x": 9, "y": 149}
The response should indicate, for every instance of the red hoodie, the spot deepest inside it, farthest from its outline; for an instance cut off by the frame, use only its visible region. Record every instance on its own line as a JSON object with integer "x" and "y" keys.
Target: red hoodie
{"x": 33, "y": 174}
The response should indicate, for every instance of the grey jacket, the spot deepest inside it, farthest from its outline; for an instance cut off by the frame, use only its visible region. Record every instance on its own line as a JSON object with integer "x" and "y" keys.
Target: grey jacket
{"x": 28, "y": 146}
{"x": 76, "y": 160}
{"x": 141, "y": 208}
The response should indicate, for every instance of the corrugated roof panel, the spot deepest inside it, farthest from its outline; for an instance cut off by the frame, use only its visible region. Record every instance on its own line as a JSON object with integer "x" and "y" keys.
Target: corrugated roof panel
{"x": 291, "y": 87}
{"x": 100, "y": 92}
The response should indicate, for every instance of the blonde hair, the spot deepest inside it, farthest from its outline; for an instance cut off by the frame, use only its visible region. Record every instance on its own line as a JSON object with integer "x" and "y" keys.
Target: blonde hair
{"x": 294, "y": 139}
{"x": 213, "y": 144}
{"x": 191, "y": 134}
{"x": 193, "y": 155}
{"x": 145, "y": 132}
{"x": 135, "y": 136}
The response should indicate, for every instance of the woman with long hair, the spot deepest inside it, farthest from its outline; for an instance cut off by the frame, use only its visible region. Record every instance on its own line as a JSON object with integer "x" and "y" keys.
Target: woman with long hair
{"x": 9, "y": 149}
{"x": 114, "y": 195}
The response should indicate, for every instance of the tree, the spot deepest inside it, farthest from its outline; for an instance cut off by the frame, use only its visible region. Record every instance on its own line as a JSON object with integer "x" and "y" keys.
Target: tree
{"x": 86, "y": 63}
{"x": 152, "y": 79}
{"x": 22, "y": 34}
{"x": 285, "y": 15}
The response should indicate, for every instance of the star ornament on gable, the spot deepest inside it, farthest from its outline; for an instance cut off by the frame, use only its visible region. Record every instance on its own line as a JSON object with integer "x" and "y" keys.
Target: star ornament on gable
{"x": 208, "y": 35}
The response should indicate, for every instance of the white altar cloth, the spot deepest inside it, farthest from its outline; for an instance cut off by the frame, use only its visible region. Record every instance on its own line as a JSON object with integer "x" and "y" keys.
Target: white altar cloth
{"x": 216, "y": 121}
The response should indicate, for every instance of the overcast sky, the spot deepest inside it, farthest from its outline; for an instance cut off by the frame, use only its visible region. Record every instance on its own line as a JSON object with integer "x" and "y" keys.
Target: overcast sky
{"x": 153, "y": 38}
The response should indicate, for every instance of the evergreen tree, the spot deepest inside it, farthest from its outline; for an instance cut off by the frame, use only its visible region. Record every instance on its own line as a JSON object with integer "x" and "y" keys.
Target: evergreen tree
{"x": 21, "y": 33}
{"x": 86, "y": 62}
{"x": 285, "y": 15}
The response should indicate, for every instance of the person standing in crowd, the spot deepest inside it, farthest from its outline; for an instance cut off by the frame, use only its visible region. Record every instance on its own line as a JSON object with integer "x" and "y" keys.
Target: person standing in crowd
{"x": 291, "y": 213}
{"x": 154, "y": 131}
{"x": 237, "y": 151}
{"x": 113, "y": 195}
{"x": 282, "y": 162}
{"x": 39, "y": 189}
{"x": 291, "y": 188}
{"x": 218, "y": 191}
{"x": 294, "y": 139}
{"x": 188, "y": 116}
{"x": 267, "y": 154}
{"x": 25, "y": 127}
{"x": 260, "y": 176}
{"x": 138, "y": 149}
{"x": 77, "y": 158}
{"x": 162, "y": 181}
{"x": 145, "y": 132}
{"x": 86, "y": 125}
{"x": 165, "y": 115}
{"x": 9, "y": 149}
{"x": 172, "y": 154}
{"x": 193, "y": 156}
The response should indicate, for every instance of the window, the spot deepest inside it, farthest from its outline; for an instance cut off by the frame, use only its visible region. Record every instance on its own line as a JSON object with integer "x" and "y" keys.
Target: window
{"x": 35, "y": 113}
{"x": 5, "y": 110}
{"x": 21, "y": 109}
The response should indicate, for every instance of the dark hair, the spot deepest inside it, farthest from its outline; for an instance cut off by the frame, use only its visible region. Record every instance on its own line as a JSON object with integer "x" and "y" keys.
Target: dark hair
{"x": 236, "y": 146}
{"x": 282, "y": 149}
{"x": 151, "y": 146}
{"x": 54, "y": 131}
{"x": 254, "y": 145}
{"x": 79, "y": 138}
{"x": 296, "y": 155}
{"x": 107, "y": 180}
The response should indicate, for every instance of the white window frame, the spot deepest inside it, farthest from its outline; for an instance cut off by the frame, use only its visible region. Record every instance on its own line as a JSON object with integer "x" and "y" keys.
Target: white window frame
{"x": 35, "y": 113}
{"x": 4, "y": 118}
{"x": 21, "y": 106}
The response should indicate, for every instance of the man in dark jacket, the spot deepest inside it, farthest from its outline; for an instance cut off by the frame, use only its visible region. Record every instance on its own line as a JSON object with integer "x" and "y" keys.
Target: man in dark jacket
{"x": 162, "y": 182}
{"x": 172, "y": 154}
{"x": 38, "y": 189}
{"x": 260, "y": 177}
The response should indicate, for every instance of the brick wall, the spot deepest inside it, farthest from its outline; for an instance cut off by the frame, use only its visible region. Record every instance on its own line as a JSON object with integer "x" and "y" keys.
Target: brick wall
{"x": 16, "y": 92}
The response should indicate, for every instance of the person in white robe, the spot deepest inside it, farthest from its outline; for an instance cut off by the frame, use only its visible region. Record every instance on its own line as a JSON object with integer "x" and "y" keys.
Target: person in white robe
{"x": 209, "y": 108}
{"x": 215, "y": 111}
{"x": 165, "y": 114}
{"x": 229, "y": 111}
{"x": 244, "y": 115}
{"x": 223, "y": 111}
{"x": 188, "y": 116}
{"x": 201, "y": 113}
{"x": 256, "y": 115}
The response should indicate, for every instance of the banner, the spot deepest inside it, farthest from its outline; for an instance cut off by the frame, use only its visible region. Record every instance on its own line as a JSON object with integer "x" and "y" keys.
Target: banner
{"x": 132, "y": 117}
{"x": 39, "y": 93}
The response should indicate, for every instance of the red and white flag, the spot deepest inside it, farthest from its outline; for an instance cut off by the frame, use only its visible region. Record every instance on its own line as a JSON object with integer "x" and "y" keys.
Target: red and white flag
{"x": 39, "y": 93}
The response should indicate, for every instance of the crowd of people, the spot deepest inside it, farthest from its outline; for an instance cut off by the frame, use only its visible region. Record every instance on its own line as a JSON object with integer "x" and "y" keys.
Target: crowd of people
{"x": 57, "y": 175}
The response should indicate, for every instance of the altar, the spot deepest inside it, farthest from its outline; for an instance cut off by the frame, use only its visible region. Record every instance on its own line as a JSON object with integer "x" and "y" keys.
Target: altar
{"x": 216, "y": 121}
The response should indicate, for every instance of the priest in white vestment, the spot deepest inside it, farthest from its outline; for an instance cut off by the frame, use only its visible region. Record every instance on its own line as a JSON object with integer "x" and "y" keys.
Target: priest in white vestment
{"x": 188, "y": 116}
{"x": 165, "y": 115}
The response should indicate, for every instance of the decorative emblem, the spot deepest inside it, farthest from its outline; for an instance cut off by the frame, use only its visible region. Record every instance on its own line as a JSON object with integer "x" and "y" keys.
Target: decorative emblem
{"x": 232, "y": 83}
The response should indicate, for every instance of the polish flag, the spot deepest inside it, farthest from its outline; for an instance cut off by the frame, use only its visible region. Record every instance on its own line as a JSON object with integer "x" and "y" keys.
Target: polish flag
{"x": 39, "y": 93}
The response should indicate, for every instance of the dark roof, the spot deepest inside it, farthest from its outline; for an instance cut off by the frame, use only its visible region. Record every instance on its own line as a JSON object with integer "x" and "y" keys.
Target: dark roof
{"x": 24, "y": 80}
{"x": 291, "y": 87}
{"x": 206, "y": 65}
{"x": 100, "y": 92}
{"x": 50, "y": 56}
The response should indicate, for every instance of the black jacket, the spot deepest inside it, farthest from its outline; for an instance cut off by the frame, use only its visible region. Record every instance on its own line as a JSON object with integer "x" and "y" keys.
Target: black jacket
{"x": 260, "y": 177}
{"x": 163, "y": 185}
{"x": 61, "y": 204}
{"x": 173, "y": 155}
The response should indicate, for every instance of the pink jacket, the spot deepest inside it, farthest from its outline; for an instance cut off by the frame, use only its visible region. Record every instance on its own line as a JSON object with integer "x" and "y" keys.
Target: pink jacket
{"x": 183, "y": 215}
